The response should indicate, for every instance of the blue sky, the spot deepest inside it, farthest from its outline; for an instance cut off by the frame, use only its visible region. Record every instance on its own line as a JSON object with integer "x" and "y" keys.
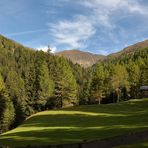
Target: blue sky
{"x": 98, "y": 26}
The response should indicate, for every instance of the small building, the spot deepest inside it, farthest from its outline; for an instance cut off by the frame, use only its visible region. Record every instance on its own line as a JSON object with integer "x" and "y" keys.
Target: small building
{"x": 144, "y": 91}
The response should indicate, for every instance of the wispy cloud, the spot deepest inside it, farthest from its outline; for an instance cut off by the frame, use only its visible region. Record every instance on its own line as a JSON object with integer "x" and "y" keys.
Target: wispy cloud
{"x": 102, "y": 16}
{"x": 113, "y": 5}
{"x": 74, "y": 33}
{"x": 103, "y": 52}
{"x": 104, "y": 12}
{"x": 26, "y": 32}
{"x": 51, "y": 12}
{"x": 84, "y": 24}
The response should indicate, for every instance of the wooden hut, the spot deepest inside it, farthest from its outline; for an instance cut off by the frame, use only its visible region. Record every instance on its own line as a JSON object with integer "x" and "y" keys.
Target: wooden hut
{"x": 144, "y": 91}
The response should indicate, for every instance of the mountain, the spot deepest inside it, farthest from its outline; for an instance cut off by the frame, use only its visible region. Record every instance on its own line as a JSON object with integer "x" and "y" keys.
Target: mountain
{"x": 130, "y": 49}
{"x": 85, "y": 59}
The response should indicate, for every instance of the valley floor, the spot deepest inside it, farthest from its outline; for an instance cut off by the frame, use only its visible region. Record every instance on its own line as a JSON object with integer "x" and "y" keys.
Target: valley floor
{"x": 79, "y": 124}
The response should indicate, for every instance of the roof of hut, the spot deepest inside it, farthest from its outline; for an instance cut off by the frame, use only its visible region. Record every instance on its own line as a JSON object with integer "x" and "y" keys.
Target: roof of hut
{"x": 144, "y": 87}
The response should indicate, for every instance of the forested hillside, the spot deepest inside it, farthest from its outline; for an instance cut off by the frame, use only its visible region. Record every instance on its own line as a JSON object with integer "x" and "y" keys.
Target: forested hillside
{"x": 32, "y": 81}
{"x": 119, "y": 78}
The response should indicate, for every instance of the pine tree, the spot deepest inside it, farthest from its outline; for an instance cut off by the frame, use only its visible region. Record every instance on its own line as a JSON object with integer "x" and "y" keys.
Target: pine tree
{"x": 134, "y": 77}
{"x": 119, "y": 80}
{"x": 65, "y": 93}
{"x": 16, "y": 89}
{"x": 99, "y": 83}
{"x": 7, "y": 114}
{"x": 43, "y": 83}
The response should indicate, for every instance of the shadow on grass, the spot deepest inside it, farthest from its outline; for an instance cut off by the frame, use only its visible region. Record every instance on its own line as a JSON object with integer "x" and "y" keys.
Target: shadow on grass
{"x": 85, "y": 120}
{"x": 79, "y": 124}
{"x": 57, "y": 129}
{"x": 60, "y": 136}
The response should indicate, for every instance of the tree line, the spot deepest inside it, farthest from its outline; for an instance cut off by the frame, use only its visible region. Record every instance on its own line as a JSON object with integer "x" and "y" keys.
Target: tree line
{"x": 33, "y": 81}
{"x": 119, "y": 79}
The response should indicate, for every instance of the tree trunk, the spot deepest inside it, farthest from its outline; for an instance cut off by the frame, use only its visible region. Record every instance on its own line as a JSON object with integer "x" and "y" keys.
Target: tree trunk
{"x": 99, "y": 101}
{"x": 118, "y": 95}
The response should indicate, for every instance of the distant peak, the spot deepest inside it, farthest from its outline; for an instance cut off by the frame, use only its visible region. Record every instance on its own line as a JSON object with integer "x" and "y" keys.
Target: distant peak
{"x": 85, "y": 59}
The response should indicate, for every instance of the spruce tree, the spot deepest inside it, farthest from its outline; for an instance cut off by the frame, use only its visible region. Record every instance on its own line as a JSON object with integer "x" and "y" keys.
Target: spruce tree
{"x": 43, "y": 83}
{"x": 16, "y": 89}
{"x": 7, "y": 114}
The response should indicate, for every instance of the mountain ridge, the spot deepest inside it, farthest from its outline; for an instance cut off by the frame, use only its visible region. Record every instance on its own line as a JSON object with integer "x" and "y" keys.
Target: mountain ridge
{"x": 87, "y": 59}
{"x": 131, "y": 48}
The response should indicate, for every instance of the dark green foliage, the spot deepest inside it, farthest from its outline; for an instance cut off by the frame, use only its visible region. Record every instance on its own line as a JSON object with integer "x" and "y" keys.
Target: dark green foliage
{"x": 65, "y": 93}
{"x": 16, "y": 89}
{"x": 120, "y": 78}
{"x": 43, "y": 83}
{"x": 6, "y": 108}
{"x": 98, "y": 85}
{"x": 83, "y": 79}
{"x": 33, "y": 81}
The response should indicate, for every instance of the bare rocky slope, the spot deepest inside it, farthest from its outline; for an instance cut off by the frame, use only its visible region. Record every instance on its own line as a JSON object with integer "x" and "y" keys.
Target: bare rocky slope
{"x": 87, "y": 59}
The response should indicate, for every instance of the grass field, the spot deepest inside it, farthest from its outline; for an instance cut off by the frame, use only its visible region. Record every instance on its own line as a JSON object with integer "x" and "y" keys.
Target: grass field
{"x": 80, "y": 123}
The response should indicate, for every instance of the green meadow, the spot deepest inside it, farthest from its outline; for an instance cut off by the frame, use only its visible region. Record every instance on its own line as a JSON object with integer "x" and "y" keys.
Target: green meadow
{"x": 81, "y": 123}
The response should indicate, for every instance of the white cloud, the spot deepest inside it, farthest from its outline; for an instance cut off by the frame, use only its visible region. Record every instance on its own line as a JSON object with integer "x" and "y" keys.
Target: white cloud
{"x": 26, "y": 32}
{"x": 103, "y": 52}
{"x": 103, "y": 11}
{"x": 45, "y": 48}
{"x": 73, "y": 33}
{"x": 53, "y": 49}
{"x": 102, "y": 14}
{"x": 51, "y": 12}
{"x": 112, "y": 5}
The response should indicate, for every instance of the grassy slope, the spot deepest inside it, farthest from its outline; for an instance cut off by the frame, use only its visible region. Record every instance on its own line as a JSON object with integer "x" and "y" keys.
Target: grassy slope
{"x": 80, "y": 123}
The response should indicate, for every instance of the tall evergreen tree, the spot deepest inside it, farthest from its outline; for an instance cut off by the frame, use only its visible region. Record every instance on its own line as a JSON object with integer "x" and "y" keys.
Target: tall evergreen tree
{"x": 119, "y": 80}
{"x": 44, "y": 85}
{"x": 16, "y": 89}
{"x": 65, "y": 84}
{"x": 7, "y": 114}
